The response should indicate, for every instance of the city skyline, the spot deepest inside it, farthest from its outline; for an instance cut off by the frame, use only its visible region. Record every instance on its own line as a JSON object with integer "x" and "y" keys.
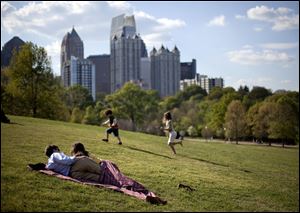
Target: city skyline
{"x": 245, "y": 43}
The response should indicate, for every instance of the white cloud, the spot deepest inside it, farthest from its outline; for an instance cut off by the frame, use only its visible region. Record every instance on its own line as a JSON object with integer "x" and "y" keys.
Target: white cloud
{"x": 251, "y": 57}
{"x": 156, "y": 31}
{"x": 120, "y": 5}
{"x": 53, "y": 49}
{"x": 280, "y": 46}
{"x": 141, "y": 15}
{"x": 217, "y": 21}
{"x": 156, "y": 40}
{"x": 6, "y": 7}
{"x": 46, "y": 23}
{"x": 282, "y": 18}
{"x": 167, "y": 24}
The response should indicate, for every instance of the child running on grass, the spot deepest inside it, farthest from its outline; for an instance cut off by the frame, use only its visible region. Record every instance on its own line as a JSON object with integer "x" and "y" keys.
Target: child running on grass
{"x": 167, "y": 119}
{"x": 113, "y": 126}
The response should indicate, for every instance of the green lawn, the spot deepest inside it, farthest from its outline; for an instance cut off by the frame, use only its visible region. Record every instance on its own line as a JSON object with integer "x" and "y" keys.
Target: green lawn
{"x": 227, "y": 177}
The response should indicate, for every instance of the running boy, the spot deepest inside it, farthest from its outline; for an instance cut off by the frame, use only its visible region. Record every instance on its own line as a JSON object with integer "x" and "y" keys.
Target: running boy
{"x": 113, "y": 126}
{"x": 172, "y": 133}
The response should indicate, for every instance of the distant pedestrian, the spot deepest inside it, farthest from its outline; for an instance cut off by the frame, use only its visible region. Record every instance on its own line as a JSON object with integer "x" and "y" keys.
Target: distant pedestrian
{"x": 112, "y": 122}
{"x": 173, "y": 135}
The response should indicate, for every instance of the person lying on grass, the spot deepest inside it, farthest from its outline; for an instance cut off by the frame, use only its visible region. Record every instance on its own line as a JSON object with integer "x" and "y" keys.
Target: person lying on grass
{"x": 82, "y": 167}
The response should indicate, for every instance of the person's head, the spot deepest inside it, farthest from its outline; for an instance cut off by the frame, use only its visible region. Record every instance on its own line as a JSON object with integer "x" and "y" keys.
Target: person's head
{"x": 167, "y": 116}
{"x": 108, "y": 112}
{"x": 78, "y": 149}
{"x": 50, "y": 149}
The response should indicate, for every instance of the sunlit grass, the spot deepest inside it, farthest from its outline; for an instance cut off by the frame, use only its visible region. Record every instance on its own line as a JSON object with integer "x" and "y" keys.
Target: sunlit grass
{"x": 226, "y": 177}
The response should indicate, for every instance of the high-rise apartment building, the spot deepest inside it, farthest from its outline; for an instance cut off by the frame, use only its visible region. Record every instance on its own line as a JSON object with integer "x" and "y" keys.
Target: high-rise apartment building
{"x": 165, "y": 71}
{"x": 127, "y": 49}
{"x": 203, "y": 81}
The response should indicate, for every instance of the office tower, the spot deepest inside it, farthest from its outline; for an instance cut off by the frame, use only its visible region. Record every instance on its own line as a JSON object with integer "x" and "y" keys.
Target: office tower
{"x": 188, "y": 70}
{"x": 165, "y": 71}
{"x": 145, "y": 81}
{"x": 127, "y": 49}
{"x": 82, "y": 72}
{"x": 102, "y": 72}
{"x": 7, "y": 50}
{"x": 71, "y": 45}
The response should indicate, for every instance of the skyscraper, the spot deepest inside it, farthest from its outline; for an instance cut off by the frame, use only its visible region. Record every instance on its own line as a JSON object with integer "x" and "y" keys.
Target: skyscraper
{"x": 82, "y": 72}
{"x": 188, "y": 70}
{"x": 127, "y": 49}
{"x": 71, "y": 45}
{"x": 7, "y": 50}
{"x": 102, "y": 72}
{"x": 165, "y": 71}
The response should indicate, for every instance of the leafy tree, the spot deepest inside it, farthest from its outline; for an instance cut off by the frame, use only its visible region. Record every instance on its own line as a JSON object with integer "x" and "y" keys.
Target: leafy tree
{"x": 191, "y": 91}
{"x": 133, "y": 103}
{"x": 168, "y": 103}
{"x": 77, "y": 115}
{"x": 78, "y": 96}
{"x": 215, "y": 94}
{"x": 235, "y": 120}
{"x": 261, "y": 121}
{"x": 192, "y": 131}
{"x": 284, "y": 124}
{"x": 31, "y": 86}
{"x": 243, "y": 90}
{"x": 217, "y": 113}
{"x": 90, "y": 116}
{"x": 259, "y": 94}
{"x": 251, "y": 116}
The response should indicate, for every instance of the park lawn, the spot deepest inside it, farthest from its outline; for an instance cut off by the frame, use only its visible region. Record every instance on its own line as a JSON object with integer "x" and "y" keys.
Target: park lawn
{"x": 226, "y": 177}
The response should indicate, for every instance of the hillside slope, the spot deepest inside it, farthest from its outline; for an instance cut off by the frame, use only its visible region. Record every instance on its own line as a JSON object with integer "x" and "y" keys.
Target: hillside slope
{"x": 226, "y": 177}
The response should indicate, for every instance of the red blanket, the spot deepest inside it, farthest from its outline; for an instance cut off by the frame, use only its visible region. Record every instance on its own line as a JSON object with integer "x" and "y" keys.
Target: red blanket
{"x": 113, "y": 178}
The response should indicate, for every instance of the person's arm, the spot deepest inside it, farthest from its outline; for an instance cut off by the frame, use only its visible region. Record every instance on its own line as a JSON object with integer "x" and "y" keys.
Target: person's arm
{"x": 61, "y": 158}
{"x": 167, "y": 127}
{"x": 105, "y": 122}
{"x": 115, "y": 122}
{"x": 94, "y": 158}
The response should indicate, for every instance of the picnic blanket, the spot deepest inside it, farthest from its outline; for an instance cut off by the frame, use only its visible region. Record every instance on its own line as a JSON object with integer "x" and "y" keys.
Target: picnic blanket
{"x": 113, "y": 178}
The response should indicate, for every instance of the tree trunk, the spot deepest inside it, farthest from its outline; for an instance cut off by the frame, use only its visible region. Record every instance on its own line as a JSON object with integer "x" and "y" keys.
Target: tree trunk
{"x": 133, "y": 123}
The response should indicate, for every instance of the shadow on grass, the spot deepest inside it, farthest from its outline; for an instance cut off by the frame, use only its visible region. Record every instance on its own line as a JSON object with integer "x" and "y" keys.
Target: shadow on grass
{"x": 14, "y": 123}
{"x": 148, "y": 152}
{"x": 214, "y": 163}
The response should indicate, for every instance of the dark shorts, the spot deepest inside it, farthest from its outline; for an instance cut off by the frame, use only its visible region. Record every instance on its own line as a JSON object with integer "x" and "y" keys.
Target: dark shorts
{"x": 113, "y": 130}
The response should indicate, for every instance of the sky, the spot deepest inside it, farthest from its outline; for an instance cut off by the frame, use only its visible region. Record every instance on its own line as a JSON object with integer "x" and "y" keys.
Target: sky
{"x": 252, "y": 43}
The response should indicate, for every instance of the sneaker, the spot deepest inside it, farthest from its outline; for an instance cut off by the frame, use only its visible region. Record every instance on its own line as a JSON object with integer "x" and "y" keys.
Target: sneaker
{"x": 120, "y": 143}
{"x": 106, "y": 140}
{"x": 181, "y": 143}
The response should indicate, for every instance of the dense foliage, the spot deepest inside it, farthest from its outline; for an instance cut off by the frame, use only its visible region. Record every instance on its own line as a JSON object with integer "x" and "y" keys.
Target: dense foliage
{"x": 28, "y": 87}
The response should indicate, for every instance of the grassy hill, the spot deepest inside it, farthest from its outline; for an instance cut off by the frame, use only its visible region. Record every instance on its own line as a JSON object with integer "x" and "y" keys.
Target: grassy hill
{"x": 227, "y": 177}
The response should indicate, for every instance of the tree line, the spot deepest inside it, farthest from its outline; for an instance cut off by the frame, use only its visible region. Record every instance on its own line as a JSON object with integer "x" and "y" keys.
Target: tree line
{"x": 29, "y": 88}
